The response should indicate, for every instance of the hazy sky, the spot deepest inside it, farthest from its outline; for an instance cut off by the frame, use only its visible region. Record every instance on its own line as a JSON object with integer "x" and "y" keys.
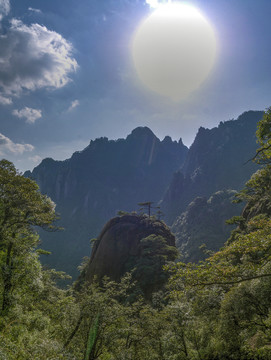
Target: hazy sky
{"x": 67, "y": 75}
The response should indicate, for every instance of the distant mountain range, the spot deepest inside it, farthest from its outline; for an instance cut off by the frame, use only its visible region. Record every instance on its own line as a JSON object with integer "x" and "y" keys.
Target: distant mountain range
{"x": 112, "y": 175}
{"x": 94, "y": 184}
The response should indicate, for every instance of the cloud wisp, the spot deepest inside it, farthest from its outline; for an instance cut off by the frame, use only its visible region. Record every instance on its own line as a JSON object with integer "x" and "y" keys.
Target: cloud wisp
{"x": 4, "y": 8}
{"x": 7, "y": 147}
{"x": 5, "y": 100}
{"x": 31, "y": 115}
{"x": 35, "y": 159}
{"x": 33, "y": 57}
{"x": 73, "y": 105}
{"x": 38, "y": 11}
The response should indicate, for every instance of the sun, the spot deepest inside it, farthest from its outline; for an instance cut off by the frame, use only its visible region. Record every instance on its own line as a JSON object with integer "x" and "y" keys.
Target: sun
{"x": 174, "y": 50}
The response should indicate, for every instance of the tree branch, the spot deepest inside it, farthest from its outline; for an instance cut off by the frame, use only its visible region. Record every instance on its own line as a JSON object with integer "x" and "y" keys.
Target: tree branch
{"x": 257, "y": 153}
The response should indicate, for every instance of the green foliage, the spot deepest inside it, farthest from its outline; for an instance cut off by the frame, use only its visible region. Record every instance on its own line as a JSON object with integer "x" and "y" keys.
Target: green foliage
{"x": 263, "y": 133}
{"x": 92, "y": 337}
{"x": 231, "y": 290}
{"x": 241, "y": 260}
{"x": 257, "y": 194}
{"x": 28, "y": 296}
{"x": 122, "y": 213}
{"x": 22, "y": 207}
{"x": 148, "y": 271}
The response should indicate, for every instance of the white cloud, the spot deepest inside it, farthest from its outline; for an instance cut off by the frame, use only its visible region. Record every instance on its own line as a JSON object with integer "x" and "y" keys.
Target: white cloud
{"x": 34, "y": 10}
{"x": 35, "y": 159}
{"x": 7, "y": 147}
{"x": 74, "y": 104}
{"x": 4, "y": 8}
{"x": 31, "y": 115}
{"x": 5, "y": 100}
{"x": 33, "y": 57}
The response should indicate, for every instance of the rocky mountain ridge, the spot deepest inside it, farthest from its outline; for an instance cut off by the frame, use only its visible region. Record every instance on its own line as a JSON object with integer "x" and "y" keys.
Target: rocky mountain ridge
{"x": 107, "y": 176}
{"x": 217, "y": 160}
{"x": 111, "y": 175}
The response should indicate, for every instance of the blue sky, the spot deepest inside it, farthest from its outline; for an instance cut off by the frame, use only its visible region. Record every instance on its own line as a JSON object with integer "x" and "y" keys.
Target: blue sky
{"x": 67, "y": 76}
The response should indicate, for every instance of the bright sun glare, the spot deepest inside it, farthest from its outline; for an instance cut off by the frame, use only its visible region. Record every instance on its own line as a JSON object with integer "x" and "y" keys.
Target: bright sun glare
{"x": 174, "y": 49}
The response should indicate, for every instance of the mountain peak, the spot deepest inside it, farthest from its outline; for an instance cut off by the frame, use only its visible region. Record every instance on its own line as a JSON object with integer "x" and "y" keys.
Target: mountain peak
{"x": 167, "y": 140}
{"x": 141, "y": 131}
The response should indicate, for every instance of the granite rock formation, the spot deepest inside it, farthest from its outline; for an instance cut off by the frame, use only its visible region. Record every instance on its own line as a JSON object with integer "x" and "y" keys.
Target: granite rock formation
{"x": 132, "y": 243}
{"x": 117, "y": 248}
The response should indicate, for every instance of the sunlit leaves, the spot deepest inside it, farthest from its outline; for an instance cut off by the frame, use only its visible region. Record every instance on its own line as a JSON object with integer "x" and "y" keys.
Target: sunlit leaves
{"x": 263, "y": 155}
{"x": 22, "y": 207}
{"x": 241, "y": 260}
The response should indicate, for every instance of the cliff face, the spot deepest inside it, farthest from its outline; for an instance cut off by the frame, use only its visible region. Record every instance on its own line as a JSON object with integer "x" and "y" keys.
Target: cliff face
{"x": 218, "y": 159}
{"x": 107, "y": 176}
{"x": 120, "y": 248}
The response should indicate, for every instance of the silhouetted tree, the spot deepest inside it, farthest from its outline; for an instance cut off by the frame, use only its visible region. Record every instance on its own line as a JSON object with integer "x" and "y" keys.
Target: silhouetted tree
{"x": 147, "y": 206}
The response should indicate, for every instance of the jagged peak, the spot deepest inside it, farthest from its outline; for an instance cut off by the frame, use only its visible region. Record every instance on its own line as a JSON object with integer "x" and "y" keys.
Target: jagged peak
{"x": 180, "y": 142}
{"x": 167, "y": 139}
{"x": 48, "y": 162}
{"x": 141, "y": 131}
{"x": 102, "y": 139}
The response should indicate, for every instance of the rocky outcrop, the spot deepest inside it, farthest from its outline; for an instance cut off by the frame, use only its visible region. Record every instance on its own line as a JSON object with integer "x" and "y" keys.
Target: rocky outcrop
{"x": 118, "y": 247}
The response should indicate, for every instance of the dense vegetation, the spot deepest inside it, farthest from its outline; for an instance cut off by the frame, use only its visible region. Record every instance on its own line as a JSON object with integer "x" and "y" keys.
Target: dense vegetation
{"x": 219, "y": 308}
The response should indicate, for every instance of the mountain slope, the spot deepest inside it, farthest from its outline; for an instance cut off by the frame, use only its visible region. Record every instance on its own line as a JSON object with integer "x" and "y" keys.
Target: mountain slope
{"x": 204, "y": 222}
{"x": 217, "y": 160}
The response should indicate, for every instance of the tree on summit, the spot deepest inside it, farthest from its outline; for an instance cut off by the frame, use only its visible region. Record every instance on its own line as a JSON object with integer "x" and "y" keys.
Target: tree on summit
{"x": 146, "y": 206}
